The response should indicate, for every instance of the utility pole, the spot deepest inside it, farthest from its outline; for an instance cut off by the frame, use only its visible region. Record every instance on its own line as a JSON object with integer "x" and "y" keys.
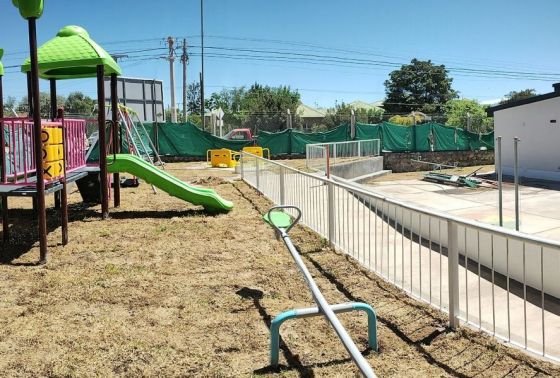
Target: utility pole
{"x": 170, "y": 42}
{"x": 202, "y": 60}
{"x": 184, "y": 60}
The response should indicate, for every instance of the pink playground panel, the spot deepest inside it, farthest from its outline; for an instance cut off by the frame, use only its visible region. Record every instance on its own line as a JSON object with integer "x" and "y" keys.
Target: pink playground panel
{"x": 18, "y": 155}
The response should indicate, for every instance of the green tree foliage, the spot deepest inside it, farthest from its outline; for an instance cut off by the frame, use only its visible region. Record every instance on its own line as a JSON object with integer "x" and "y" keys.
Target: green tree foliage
{"x": 79, "y": 104}
{"x": 265, "y": 107}
{"x": 421, "y": 86}
{"x": 405, "y": 120}
{"x": 458, "y": 113}
{"x": 194, "y": 99}
{"x": 341, "y": 113}
{"x": 10, "y": 103}
{"x": 44, "y": 100}
{"x": 516, "y": 96}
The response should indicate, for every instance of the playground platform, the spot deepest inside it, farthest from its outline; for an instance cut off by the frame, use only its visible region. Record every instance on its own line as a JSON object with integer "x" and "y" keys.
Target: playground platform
{"x": 31, "y": 190}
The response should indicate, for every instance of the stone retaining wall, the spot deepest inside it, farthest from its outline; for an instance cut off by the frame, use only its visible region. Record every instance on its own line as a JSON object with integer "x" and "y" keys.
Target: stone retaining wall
{"x": 402, "y": 161}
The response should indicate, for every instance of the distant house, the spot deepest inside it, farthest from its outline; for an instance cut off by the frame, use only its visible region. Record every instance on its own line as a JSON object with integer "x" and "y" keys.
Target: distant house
{"x": 536, "y": 121}
{"x": 377, "y": 105}
{"x": 310, "y": 116}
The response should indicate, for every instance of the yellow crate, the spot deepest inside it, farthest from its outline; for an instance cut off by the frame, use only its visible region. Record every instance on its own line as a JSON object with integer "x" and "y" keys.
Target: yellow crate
{"x": 256, "y": 150}
{"x": 222, "y": 158}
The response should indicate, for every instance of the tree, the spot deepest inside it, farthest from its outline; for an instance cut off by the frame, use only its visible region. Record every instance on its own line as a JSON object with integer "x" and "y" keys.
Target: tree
{"x": 44, "y": 101}
{"x": 194, "y": 100}
{"x": 516, "y": 96}
{"x": 341, "y": 113}
{"x": 265, "y": 107}
{"x": 463, "y": 112}
{"x": 421, "y": 86}
{"x": 78, "y": 103}
{"x": 10, "y": 103}
{"x": 406, "y": 120}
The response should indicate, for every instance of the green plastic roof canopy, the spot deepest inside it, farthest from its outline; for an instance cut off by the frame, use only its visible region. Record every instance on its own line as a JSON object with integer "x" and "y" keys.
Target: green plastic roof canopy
{"x": 1, "y": 66}
{"x": 29, "y": 8}
{"x": 72, "y": 54}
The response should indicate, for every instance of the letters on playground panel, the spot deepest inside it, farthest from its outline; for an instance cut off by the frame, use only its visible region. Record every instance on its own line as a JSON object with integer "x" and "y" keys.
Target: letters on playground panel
{"x": 53, "y": 150}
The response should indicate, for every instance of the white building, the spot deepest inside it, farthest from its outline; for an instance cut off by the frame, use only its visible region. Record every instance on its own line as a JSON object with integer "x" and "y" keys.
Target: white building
{"x": 536, "y": 121}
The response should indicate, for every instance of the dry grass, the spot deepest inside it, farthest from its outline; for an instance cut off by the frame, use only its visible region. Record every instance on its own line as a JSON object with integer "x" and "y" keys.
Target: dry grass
{"x": 161, "y": 289}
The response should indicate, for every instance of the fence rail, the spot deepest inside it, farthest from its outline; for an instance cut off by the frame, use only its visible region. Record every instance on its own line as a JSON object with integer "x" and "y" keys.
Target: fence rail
{"x": 320, "y": 156}
{"x": 500, "y": 281}
{"x": 17, "y": 139}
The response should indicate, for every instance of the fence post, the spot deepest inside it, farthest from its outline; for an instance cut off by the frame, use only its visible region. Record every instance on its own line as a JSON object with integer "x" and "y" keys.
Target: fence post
{"x": 359, "y": 149}
{"x": 331, "y": 213}
{"x": 242, "y": 166}
{"x": 352, "y": 124}
{"x": 257, "y": 174}
{"x": 282, "y": 186}
{"x": 453, "y": 272}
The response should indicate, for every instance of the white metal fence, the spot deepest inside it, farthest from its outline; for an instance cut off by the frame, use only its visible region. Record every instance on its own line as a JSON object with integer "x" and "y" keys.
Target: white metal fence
{"x": 319, "y": 155}
{"x": 500, "y": 281}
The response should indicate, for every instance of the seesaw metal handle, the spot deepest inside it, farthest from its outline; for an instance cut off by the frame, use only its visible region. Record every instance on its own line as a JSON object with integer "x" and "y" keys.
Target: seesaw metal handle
{"x": 285, "y": 207}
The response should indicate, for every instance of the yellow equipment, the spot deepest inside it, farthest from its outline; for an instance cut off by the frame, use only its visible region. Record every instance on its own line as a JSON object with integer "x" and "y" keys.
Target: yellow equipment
{"x": 222, "y": 158}
{"x": 53, "y": 152}
{"x": 256, "y": 150}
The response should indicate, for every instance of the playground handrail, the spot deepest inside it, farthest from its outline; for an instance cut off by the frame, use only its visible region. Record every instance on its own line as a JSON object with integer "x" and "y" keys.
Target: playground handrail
{"x": 318, "y": 297}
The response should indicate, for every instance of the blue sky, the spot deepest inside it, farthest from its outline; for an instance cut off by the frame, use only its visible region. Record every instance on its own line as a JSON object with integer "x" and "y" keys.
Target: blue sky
{"x": 310, "y": 41}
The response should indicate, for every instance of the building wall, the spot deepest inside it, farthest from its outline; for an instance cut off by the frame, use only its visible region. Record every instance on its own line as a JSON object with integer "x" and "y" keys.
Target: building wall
{"x": 539, "y": 148}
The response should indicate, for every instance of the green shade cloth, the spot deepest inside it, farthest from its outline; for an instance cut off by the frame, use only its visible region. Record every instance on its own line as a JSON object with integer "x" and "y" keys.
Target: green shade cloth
{"x": 299, "y": 140}
{"x": 279, "y": 143}
{"x": 72, "y": 54}
{"x": 187, "y": 140}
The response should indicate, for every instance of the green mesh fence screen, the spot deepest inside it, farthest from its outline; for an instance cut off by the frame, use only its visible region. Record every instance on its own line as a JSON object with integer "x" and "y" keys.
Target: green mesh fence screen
{"x": 187, "y": 140}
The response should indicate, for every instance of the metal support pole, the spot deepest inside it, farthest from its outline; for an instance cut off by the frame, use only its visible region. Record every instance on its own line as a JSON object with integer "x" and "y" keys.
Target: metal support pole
{"x": 184, "y": 60}
{"x": 352, "y": 124}
{"x": 453, "y": 272}
{"x": 331, "y": 214}
{"x": 53, "y": 111}
{"x": 40, "y": 185}
{"x": 29, "y": 95}
{"x": 242, "y": 165}
{"x": 202, "y": 105}
{"x": 257, "y": 174}
{"x": 102, "y": 142}
{"x": 171, "y": 58}
{"x": 315, "y": 311}
{"x": 516, "y": 179}
{"x": 5, "y": 225}
{"x": 282, "y": 186}
{"x": 116, "y": 142}
{"x": 64, "y": 192}
{"x": 500, "y": 180}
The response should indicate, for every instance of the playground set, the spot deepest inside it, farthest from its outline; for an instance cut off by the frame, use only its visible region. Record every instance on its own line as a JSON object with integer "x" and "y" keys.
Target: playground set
{"x": 40, "y": 157}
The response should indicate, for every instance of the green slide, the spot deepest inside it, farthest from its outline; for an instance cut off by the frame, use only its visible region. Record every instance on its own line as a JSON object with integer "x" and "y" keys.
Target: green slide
{"x": 134, "y": 165}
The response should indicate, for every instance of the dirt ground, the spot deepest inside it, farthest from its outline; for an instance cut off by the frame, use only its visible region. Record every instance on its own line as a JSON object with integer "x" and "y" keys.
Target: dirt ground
{"x": 162, "y": 289}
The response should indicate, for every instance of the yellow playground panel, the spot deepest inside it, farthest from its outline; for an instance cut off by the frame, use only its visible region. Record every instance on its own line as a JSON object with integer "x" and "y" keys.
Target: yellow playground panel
{"x": 222, "y": 158}
{"x": 259, "y": 151}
